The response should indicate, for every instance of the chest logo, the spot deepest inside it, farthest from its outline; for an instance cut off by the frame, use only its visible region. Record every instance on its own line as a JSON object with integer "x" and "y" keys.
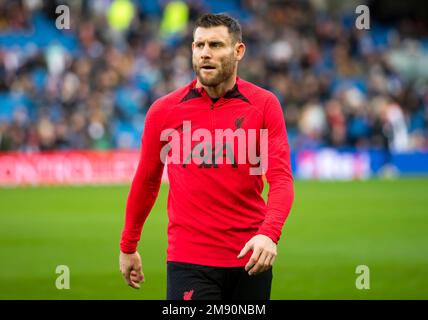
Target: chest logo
{"x": 238, "y": 122}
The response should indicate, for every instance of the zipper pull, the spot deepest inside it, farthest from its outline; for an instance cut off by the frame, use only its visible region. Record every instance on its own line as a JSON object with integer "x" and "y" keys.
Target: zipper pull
{"x": 211, "y": 106}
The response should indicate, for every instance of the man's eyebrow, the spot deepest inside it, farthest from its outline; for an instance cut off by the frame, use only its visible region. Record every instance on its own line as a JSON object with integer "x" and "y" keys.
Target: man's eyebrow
{"x": 209, "y": 40}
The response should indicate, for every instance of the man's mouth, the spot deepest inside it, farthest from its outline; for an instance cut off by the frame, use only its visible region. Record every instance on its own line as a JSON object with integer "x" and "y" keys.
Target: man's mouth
{"x": 207, "y": 67}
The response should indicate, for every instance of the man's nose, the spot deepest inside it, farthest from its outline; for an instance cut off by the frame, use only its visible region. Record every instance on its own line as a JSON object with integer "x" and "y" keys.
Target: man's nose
{"x": 206, "y": 52}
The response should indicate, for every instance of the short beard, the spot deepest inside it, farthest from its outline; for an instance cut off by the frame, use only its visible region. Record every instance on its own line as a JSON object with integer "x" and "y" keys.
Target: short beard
{"x": 227, "y": 68}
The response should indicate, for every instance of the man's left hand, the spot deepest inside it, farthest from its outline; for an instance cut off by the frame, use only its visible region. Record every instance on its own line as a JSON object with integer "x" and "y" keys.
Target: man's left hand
{"x": 264, "y": 253}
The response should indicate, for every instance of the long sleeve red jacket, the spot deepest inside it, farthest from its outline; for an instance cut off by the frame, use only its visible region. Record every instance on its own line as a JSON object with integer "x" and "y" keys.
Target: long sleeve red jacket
{"x": 215, "y": 203}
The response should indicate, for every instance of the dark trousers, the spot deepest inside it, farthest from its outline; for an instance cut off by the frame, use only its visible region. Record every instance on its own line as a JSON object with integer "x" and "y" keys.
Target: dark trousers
{"x": 187, "y": 281}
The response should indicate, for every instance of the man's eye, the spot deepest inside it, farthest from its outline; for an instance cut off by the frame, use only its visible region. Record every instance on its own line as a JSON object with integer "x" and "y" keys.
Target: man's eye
{"x": 200, "y": 45}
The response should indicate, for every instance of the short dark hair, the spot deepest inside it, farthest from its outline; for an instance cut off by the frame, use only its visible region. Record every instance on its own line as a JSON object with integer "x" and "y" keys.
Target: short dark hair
{"x": 209, "y": 20}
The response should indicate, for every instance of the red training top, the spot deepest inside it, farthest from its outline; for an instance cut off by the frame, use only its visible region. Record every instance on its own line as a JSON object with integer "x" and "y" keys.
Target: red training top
{"x": 214, "y": 204}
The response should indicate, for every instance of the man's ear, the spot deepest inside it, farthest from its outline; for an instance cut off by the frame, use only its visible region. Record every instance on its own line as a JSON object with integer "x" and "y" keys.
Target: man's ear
{"x": 193, "y": 45}
{"x": 239, "y": 50}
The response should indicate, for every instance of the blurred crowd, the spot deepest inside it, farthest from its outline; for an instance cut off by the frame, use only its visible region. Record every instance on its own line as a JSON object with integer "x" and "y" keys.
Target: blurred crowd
{"x": 91, "y": 86}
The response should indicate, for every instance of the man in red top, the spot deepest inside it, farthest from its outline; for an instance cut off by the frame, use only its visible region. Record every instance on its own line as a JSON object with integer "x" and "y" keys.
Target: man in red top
{"x": 218, "y": 135}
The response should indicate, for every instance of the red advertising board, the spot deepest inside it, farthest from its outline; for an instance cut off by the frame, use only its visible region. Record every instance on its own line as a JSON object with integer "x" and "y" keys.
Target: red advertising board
{"x": 68, "y": 167}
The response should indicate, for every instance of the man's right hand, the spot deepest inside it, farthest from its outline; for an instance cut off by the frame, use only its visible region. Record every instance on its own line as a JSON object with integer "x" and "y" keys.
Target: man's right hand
{"x": 130, "y": 267}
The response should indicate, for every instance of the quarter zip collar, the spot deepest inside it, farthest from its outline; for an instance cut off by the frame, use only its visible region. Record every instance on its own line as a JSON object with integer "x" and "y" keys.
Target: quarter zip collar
{"x": 228, "y": 94}
{"x": 200, "y": 92}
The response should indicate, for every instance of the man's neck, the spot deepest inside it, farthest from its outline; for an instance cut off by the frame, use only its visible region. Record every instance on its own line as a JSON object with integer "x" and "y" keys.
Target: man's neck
{"x": 219, "y": 90}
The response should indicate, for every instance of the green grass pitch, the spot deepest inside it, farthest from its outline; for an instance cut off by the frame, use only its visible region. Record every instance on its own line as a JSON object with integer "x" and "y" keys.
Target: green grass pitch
{"x": 333, "y": 228}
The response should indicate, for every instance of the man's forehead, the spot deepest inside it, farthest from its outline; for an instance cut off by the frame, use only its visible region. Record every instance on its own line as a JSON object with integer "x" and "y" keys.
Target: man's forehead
{"x": 212, "y": 33}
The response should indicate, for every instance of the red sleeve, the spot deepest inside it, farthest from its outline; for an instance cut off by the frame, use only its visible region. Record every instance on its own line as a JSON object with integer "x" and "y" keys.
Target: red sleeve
{"x": 278, "y": 174}
{"x": 146, "y": 183}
